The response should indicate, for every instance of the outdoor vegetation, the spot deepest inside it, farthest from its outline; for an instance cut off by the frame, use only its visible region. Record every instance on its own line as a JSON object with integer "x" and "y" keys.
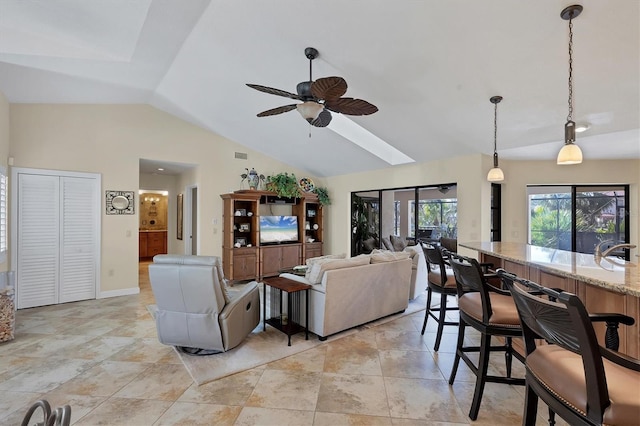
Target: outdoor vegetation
{"x": 600, "y": 216}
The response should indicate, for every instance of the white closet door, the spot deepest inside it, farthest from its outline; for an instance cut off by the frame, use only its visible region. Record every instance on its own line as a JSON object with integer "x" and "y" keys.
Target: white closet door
{"x": 78, "y": 239}
{"x": 39, "y": 243}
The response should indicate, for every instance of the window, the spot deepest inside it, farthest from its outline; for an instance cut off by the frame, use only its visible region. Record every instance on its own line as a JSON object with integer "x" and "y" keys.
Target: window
{"x": 578, "y": 218}
{"x": 396, "y": 217}
{"x": 436, "y": 218}
{"x": 3, "y": 215}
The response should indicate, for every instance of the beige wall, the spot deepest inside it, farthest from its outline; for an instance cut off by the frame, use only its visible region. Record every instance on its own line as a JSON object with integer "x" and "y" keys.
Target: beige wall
{"x": 474, "y": 192}
{"x": 110, "y": 140}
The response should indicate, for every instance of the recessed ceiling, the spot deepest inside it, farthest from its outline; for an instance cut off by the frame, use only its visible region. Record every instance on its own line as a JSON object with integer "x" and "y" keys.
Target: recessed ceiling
{"x": 429, "y": 66}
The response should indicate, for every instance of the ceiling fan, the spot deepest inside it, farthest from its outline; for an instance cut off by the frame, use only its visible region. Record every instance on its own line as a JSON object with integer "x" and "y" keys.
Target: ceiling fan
{"x": 318, "y": 98}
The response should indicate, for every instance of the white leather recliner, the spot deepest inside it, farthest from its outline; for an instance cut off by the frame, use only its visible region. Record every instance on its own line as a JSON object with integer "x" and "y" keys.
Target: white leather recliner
{"x": 195, "y": 312}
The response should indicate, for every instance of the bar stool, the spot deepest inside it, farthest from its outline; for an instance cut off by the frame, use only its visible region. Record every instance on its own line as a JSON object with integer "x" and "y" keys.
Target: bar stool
{"x": 440, "y": 279}
{"x": 492, "y": 312}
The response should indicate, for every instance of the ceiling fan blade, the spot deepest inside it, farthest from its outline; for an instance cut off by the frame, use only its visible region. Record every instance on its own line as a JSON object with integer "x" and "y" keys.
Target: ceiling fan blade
{"x": 278, "y": 110}
{"x": 323, "y": 119}
{"x": 272, "y": 91}
{"x": 329, "y": 88}
{"x": 351, "y": 106}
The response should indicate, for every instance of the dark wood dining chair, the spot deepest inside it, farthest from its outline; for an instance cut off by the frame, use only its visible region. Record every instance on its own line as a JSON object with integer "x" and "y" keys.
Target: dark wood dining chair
{"x": 491, "y": 311}
{"x": 440, "y": 280}
{"x": 581, "y": 381}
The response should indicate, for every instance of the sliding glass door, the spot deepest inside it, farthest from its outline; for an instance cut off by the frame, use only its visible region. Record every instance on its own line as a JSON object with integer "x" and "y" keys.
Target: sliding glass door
{"x": 578, "y": 218}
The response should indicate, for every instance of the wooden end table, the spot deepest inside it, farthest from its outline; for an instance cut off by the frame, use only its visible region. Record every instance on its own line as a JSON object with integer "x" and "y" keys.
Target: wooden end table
{"x": 289, "y": 324}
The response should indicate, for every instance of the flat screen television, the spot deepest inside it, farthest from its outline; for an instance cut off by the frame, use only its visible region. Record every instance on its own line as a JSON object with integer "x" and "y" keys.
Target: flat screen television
{"x": 278, "y": 229}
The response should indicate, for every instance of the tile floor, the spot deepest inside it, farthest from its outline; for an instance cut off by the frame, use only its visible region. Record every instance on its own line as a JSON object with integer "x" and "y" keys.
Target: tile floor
{"x": 102, "y": 358}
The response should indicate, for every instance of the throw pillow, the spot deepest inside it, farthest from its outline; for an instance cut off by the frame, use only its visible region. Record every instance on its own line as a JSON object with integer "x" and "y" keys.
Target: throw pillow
{"x": 386, "y": 243}
{"x": 398, "y": 243}
{"x": 318, "y": 269}
{"x": 369, "y": 244}
{"x": 389, "y": 256}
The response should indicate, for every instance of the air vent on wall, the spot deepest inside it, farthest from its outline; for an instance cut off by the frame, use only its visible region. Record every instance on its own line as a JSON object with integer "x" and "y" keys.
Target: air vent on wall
{"x": 241, "y": 155}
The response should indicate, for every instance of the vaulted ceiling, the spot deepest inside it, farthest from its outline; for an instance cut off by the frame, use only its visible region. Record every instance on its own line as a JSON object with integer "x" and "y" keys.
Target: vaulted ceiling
{"x": 430, "y": 66}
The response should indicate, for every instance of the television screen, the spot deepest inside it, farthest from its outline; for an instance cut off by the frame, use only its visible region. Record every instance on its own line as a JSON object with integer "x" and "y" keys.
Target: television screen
{"x": 278, "y": 229}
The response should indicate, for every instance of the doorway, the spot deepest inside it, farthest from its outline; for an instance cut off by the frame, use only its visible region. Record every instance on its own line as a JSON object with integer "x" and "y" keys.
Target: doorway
{"x": 191, "y": 220}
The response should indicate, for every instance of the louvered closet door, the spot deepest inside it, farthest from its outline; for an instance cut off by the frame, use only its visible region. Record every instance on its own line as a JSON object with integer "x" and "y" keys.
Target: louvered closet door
{"x": 77, "y": 263}
{"x": 38, "y": 242}
{"x": 58, "y": 223}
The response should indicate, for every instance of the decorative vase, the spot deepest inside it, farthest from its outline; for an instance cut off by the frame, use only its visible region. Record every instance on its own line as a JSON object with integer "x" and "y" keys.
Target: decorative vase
{"x": 253, "y": 178}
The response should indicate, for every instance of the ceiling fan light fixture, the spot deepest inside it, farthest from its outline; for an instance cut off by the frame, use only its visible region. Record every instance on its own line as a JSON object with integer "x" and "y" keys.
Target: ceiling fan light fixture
{"x": 309, "y": 110}
{"x": 570, "y": 153}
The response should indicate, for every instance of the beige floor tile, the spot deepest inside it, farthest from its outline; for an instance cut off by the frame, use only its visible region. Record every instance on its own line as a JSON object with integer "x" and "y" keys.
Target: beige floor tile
{"x": 104, "y": 379}
{"x": 98, "y": 348}
{"x": 14, "y": 405}
{"x": 272, "y": 416}
{"x": 412, "y": 422}
{"x": 230, "y": 390}
{"x": 401, "y": 340}
{"x": 311, "y": 360}
{"x": 293, "y": 390}
{"x": 192, "y": 414}
{"x": 421, "y": 399}
{"x": 499, "y": 401}
{"x": 353, "y": 355}
{"x": 142, "y": 350}
{"x": 334, "y": 419}
{"x": 125, "y": 411}
{"x": 48, "y": 376}
{"x": 160, "y": 381}
{"x": 80, "y": 405}
{"x": 416, "y": 364}
{"x": 347, "y": 394}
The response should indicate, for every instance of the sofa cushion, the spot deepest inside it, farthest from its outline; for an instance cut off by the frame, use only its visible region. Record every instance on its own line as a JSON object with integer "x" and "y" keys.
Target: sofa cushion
{"x": 317, "y": 270}
{"x": 311, "y": 260}
{"x": 398, "y": 243}
{"x": 389, "y": 256}
{"x": 321, "y": 259}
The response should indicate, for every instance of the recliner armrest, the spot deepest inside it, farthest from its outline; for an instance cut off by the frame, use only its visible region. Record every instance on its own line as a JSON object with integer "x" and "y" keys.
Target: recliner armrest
{"x": 238, "y": 301}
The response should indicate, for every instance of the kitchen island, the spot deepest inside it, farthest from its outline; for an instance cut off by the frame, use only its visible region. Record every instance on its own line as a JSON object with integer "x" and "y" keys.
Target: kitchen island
{"x": 603, "y": 284}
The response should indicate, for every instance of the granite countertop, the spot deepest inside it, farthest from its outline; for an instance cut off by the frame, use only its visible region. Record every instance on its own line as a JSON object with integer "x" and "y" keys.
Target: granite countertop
{"x": 610, "y": 273}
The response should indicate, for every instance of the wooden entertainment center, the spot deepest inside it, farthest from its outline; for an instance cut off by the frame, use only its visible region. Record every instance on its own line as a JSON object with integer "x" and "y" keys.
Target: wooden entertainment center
{"x": 244, "y": 257}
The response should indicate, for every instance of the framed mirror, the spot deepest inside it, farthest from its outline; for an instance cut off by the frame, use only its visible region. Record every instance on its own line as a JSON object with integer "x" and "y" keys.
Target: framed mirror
{"x": 119, "y": 202}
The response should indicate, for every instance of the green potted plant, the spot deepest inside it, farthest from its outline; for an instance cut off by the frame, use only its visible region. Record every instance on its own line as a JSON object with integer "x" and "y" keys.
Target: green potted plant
{"x": 284, "y": 185}
{"x": 323, "y": 195}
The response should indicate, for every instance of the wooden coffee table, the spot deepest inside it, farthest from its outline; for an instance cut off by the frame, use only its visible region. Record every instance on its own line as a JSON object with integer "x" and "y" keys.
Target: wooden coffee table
{"x": 288, "y": 323}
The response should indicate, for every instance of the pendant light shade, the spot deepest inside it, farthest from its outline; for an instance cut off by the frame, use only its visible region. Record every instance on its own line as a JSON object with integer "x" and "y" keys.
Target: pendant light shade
{"x": 570, "y": 152}
{"x": 495, "y": 174}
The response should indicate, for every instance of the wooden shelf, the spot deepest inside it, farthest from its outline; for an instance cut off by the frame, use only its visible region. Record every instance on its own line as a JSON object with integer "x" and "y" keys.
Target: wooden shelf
{"x": 241, "y": 219}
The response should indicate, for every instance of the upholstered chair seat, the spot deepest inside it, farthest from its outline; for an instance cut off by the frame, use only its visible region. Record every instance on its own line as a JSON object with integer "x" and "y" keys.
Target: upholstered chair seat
{"x": 503, "y": 310}
{"x": 562, "y": 372}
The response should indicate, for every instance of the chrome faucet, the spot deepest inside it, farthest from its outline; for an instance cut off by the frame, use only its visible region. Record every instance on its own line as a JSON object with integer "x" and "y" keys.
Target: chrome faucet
{"x": 608, "y": 251}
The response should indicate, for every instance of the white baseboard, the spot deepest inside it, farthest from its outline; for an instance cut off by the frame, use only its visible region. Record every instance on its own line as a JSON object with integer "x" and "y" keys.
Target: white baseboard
{"x": 121, "y": 292}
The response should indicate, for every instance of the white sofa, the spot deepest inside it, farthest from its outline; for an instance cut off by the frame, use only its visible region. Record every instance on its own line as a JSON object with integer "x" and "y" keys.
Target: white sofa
{"x": 353, "y": 295}
{"x": 418, "y": 271}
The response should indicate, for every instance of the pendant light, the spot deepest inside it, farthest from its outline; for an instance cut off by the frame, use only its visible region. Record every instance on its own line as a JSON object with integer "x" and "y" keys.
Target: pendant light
{"x": 570, "y": 152}
{"x": 495, "y": 174}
